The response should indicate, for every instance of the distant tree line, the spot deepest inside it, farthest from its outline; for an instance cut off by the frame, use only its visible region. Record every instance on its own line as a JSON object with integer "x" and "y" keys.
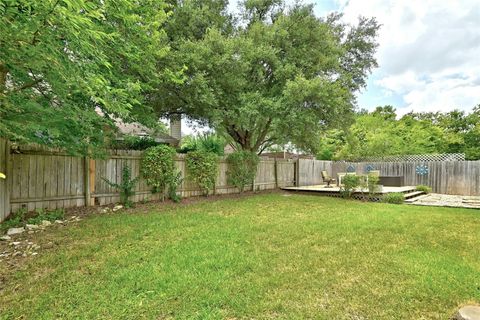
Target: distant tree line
{"x": 381, "y": 133}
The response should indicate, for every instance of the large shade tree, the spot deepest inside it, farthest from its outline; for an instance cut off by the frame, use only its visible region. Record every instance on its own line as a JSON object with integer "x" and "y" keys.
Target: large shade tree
{"x": 272, "y": 74}
{"x": 63, "y": 60}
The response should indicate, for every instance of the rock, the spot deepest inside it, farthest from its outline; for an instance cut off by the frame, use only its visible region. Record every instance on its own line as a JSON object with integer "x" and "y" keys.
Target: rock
{"x": 468, "y": 313}
{"x": 117, "y": 207}
{"x": 46, "y": 223}
{"x": 5, "y": 238}
{"x": 48, "y": 245}
{"x": 13, "y": 231}
{"x": 59, "y": 221}
{"x": 31, "y": 226}
{"x": 105, "y": 210}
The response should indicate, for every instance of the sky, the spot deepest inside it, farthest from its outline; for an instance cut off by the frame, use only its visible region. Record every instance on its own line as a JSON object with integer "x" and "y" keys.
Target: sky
{"x": 428, "y": 54}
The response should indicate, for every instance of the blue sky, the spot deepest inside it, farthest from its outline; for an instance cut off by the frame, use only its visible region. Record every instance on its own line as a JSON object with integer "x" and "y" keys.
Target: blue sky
{"x": 428, "y": 52}
{"x": 373, "y": 95}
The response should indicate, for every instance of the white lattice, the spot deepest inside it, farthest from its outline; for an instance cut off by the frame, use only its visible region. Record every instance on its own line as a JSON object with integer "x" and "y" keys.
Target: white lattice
{"x": 417, "y": 157}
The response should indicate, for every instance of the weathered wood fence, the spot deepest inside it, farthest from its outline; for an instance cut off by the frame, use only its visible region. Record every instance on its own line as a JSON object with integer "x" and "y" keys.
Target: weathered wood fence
{"x": 447, "y": 177}
{"x": 309, "y": 172}
{"x": 49, "y": 179}
{"x": 42, "y": 178}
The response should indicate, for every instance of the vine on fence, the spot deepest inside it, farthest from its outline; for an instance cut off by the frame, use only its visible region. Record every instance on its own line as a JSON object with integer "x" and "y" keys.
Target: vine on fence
{"x": 158, "y": 167}
{"x": 242, "y": 168}
{"x": 202, "y": 167}
{"x": 125, "y": 187}
{"x": 173, "y": 186}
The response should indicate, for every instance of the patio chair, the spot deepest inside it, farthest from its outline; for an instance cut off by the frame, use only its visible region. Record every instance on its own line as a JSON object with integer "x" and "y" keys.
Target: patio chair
{"x": 326, "y": 178}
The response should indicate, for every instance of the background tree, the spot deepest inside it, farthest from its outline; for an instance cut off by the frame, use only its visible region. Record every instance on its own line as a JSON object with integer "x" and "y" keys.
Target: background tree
{"x": 380, "y": 133}
{"x": 60, "y": 60}
{"x": 272, "y": 75}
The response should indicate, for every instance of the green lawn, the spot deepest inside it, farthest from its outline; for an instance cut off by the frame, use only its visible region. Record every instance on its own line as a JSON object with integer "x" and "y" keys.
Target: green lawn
{"x": 267, "y": 256}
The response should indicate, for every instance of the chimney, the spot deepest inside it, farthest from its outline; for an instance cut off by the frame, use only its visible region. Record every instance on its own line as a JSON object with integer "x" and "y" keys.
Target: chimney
{"x": 176, "y": 127}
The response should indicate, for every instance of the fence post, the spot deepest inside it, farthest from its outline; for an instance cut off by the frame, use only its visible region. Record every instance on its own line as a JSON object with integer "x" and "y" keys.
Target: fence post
{"x": 89, "y": 178}
{"x": 9, "y": 174}
{"x": 275, "y": 169}
{"x": 297, "y": 172}
{"x": 86, "y": 175}
{"x": 3, "y": 183}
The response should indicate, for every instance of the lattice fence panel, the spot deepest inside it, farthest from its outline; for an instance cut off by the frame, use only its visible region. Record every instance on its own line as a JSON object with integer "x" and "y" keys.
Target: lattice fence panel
{"x": 417, "y": 158}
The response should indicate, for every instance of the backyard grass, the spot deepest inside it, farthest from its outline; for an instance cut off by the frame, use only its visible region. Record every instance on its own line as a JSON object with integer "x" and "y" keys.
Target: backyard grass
{"x": 266, "y": 256}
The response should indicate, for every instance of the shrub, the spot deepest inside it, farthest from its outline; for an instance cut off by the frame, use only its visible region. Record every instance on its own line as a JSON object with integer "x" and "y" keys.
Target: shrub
{"x": 394, "y": 197}
{"x": 173, "y": 186}
{"x": 125, "y": 187}
{"x": 242, "y": 168}
{"x": 349, "y": 183}
{"x": 423, "y": 188}
{"x": 131, "y": 142}
{"x": 208, "y": 142}
{"x": 158, "y": 167}
{"x": 202, "y": 168}
{"x": 373, "y": 180}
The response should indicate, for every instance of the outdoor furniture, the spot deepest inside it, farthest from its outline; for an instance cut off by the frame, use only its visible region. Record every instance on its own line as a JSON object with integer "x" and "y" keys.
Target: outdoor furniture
{"x": 326, "y": 178}
{"x": 392, "y": 181}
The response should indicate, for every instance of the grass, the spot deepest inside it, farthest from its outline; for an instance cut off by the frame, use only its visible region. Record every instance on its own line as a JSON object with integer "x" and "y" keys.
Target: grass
{"x": 265, "y": 257}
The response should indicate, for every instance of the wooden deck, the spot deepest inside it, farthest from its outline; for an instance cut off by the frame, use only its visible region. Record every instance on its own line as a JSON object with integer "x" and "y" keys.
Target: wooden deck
{"x": 334, "y": 191}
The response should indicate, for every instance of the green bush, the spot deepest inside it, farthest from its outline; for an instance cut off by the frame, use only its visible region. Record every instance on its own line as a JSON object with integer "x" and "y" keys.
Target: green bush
{"x": 158, "y": 167}
{"x": 173, "y": 186}
{"x": 207, "y": 142}
{"x": 125, "y": 187}
{"x": 394, "y": 197}
{"x": 131, "y": 142}
{"x": 373, "y": 180}
{"x": 349, "y": 183}
{"x": 202, "y": 168}
{"x": 242, "y": 168}
{"x": 423, "y": 188}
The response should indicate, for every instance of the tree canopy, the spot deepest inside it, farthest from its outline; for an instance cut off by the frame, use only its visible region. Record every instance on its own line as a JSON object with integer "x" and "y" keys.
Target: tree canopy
{"x": 380, "y": 133}
{"x": 61, "y": 61}
{"x": 269, "y": 75}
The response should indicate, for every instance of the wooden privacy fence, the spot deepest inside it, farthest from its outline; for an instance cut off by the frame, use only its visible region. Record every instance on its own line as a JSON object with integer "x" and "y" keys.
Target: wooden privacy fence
{"x": 309, "y": 172}
{"x": 41, "y": 178}
{"x": 447, "y": 177}
{"x": 49, "y": 179}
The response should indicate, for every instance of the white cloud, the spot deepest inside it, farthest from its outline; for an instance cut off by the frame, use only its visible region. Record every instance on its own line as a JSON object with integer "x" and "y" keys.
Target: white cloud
{"x": 429, "y": 51}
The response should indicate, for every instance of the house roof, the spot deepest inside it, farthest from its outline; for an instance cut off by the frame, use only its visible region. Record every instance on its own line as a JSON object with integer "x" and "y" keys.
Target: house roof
{"x": 137, "y": 129}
